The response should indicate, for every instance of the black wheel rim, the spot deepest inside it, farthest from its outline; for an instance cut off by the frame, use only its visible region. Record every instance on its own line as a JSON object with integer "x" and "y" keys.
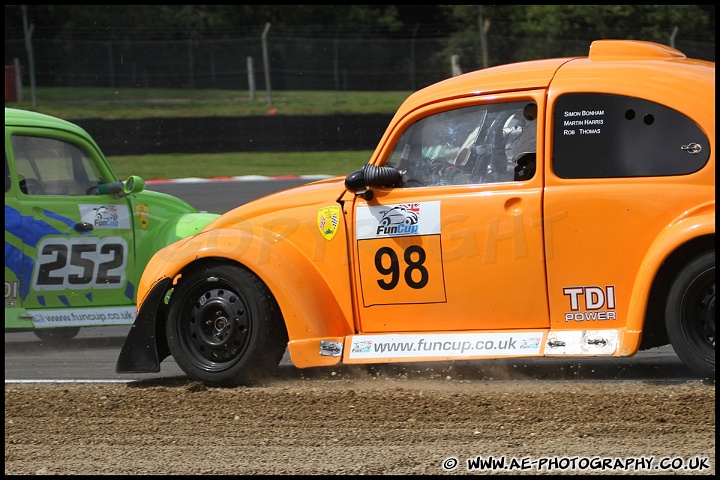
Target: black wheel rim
{"x": 214, "y": 326}
{"x": 698, "y": 311}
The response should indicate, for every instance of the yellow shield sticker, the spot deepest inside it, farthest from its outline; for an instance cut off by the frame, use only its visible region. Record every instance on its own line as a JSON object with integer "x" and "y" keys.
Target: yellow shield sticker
{"x": 143, "y": 214}
{"x": 328, "y": 219}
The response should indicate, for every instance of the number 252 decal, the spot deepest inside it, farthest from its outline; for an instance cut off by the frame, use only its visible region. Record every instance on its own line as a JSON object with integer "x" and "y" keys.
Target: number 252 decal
{"x": 79, "y": 263}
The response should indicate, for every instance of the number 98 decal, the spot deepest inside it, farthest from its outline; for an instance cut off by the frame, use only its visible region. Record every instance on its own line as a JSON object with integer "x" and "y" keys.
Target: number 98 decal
{"x": 80, "y": 263}
{"x": 401, "y": 270}
{"x": 414, "y": 257}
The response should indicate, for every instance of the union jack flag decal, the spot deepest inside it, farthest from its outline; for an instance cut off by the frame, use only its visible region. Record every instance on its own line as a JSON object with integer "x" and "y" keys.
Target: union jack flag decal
{"x": 413, "y": 207}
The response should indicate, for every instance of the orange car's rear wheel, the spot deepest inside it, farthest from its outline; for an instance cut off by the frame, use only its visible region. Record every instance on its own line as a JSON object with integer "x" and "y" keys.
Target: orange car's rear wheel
{"x": 690, "y": 315}
{"x": 224, "y": 327}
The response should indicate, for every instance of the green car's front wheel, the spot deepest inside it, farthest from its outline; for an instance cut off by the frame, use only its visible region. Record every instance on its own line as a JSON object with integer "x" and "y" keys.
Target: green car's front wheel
{"x": 57, "y": 335}
{"x": 224, "y": 327}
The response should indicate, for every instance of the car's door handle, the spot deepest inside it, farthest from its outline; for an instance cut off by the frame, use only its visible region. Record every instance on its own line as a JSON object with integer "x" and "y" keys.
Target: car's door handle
{"x": 83, "y": 227}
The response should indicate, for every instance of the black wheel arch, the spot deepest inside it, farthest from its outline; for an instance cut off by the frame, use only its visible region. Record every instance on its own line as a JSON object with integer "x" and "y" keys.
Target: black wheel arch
{"x": 146, "y": 345}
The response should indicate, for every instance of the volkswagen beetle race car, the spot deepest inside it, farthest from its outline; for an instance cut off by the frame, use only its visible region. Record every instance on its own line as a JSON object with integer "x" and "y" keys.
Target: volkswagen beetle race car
{"x": 558, "y": 207}
{"x": 76, "y": 238}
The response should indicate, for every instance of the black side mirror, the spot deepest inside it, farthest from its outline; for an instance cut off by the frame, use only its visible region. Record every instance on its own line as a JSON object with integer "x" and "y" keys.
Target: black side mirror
{"x": 355, "y": 181}
{"x": 372, "y": 176}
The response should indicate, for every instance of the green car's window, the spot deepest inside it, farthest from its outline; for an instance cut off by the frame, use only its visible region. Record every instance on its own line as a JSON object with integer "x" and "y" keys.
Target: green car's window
{"x": 47, "y": 166}
{"x": 479, "y": 144}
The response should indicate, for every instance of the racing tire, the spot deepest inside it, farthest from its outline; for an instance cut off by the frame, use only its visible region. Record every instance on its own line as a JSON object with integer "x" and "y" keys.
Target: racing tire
{"x": 690, "y": 315}
{"x": 224, "y": 327}
{"x": 56, "y": 335}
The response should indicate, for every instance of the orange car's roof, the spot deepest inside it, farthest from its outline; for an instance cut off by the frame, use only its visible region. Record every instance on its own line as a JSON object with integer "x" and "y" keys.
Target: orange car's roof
{"x": 502, "y": 78}
{"x": 612, "y": 66}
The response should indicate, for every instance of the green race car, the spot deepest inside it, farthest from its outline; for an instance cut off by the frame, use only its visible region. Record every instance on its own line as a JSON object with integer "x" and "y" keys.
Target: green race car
{"x": 76, "y": 238}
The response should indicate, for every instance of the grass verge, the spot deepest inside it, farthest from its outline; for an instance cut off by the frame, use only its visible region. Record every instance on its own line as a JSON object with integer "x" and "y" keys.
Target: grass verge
{"x": 108, "y": 103}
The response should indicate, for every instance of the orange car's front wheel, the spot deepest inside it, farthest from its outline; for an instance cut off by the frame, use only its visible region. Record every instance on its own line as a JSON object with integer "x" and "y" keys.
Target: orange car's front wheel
{"x": 224, "y": 327}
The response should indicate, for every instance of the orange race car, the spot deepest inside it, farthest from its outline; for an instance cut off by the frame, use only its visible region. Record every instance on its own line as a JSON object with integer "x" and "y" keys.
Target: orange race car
{"x": 558, "y": 207}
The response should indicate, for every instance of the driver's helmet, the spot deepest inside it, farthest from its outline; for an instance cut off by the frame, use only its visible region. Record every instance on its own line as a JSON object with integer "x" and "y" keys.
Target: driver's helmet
{"x": 525, "y": 140}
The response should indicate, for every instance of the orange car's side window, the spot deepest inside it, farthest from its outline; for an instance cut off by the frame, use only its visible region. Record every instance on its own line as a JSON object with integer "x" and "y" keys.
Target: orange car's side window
{"x": 470, "y": 145}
